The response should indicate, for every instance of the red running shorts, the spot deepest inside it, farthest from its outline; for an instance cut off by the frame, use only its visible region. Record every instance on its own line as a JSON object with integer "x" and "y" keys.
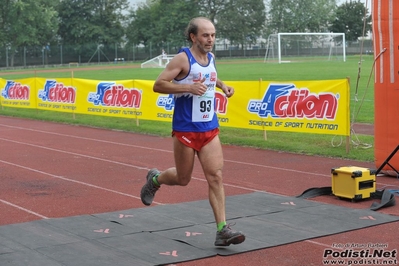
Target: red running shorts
{"x": 196, "y": 140}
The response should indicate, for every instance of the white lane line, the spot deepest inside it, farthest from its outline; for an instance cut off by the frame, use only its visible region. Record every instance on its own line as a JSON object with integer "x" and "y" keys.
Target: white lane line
{"x": 70, "y": 180}
{"x": 201, "y": 179}
{"x": 141, "y": 168}
{"x": 162, "y": 150}
{"x": 321, "y": 244}
{"x": 108, "y": 161}
{"x": 90, "y": 139}
{"x": 276, "y": 168}
{"x": 235, "y": 186}
{"x": 23, "y": 209}
{"x": 89, "y": 185}
{"x": 73, "y": 153}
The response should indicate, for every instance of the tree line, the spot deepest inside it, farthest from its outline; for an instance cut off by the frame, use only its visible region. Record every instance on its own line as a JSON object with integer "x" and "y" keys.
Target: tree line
{"x": 78, "y": 22}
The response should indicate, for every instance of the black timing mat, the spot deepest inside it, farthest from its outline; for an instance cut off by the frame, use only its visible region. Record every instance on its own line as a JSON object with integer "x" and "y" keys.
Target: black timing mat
{"x": 175, "y": 233}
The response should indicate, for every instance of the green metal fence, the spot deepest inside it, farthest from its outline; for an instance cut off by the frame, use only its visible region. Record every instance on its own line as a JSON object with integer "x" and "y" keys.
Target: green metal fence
{"x": 55, "y": 55}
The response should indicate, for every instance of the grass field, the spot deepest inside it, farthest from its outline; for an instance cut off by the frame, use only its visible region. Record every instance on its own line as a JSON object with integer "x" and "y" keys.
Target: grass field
{"x": 362, "y": 109}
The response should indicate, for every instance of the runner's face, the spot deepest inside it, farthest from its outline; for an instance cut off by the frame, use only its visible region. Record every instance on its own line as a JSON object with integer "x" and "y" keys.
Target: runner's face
{"x": 205, "y": 38}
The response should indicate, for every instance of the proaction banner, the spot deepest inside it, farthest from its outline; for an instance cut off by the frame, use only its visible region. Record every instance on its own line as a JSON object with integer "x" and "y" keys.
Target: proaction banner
{"x": 297, "y": 106}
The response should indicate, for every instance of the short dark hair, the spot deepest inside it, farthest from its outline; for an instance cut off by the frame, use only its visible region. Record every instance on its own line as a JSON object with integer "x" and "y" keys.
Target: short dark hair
{"x": 192, "y": 27}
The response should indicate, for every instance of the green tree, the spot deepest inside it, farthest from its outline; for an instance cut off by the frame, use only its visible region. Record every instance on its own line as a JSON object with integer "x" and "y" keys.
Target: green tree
{"x": 27, "y": 22}
{"x": 171, "y": 26}
{"x": 92, "y": 21}
{"x": 143, "y": 20}
{"x": 5, "y": 8}
{"x": 242, "y": 21}
{"x": 300, "y": 15}
{"x": 161, "y": 23}
{"x": 212, "y": 8}
{"x": 350, "y": 19}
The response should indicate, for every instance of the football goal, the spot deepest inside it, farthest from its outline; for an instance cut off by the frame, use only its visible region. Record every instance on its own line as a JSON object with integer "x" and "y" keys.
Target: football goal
{"x": 158, "y": 62}
{"x": 304, "y": 46}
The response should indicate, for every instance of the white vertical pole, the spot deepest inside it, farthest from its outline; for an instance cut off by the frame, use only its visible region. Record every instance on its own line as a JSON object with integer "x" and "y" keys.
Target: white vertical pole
{"x": 6, "y": 56}
{"x": 344, "y": 46}
{"x": 279, "y": 48}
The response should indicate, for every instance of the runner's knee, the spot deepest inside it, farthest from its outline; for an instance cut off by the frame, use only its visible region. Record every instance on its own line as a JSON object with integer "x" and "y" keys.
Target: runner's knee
{"x": 214, "y": 178}
{"x": 183, "y": 180}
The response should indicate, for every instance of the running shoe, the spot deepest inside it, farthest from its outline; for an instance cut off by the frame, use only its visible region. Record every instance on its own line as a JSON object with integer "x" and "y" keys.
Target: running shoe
{"x": 228, "y": 236}
{"x": 148, "y": 190}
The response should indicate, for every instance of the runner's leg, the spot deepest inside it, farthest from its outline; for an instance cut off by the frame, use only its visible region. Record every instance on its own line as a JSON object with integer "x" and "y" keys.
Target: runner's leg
{"x": 184, "y": 163}
{"x": 211, "y": 158}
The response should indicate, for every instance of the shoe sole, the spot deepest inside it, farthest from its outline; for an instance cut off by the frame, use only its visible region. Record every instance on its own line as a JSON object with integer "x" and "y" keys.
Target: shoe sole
{"x": 150, "y": 174}
{"x": 234, "y": 240}
{"x": 142, "y": 199}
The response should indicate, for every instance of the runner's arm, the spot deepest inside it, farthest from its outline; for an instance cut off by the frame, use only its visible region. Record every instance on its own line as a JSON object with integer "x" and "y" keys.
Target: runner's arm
{"x": 177, "y": 68}
{"x": 228, "y": 90}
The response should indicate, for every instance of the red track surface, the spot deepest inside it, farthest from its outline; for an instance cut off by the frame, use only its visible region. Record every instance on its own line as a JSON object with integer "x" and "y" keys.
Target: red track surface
{"x": 50, "y": 170}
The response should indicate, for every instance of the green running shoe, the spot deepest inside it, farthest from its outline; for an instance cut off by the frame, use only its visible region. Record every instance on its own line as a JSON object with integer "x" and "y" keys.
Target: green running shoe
{"x": 148, "y": 190}
{"x": 228, "y": 236}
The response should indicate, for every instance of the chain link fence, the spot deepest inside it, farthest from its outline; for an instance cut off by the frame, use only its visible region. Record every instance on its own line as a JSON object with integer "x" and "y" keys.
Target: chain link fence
{"x": 64, "y": 55}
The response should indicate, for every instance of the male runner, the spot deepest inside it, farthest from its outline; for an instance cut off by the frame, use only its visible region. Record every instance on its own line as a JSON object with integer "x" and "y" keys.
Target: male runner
{"x": 191, "y": 76}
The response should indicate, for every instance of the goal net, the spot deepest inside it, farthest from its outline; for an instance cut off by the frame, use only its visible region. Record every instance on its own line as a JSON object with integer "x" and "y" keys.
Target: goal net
{"x": 294, "y": 47}
{"x": 158, "y": 62}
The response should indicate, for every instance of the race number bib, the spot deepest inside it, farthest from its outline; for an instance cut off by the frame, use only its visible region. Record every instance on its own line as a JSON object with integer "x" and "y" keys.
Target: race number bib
{"x": 203, "y": 107}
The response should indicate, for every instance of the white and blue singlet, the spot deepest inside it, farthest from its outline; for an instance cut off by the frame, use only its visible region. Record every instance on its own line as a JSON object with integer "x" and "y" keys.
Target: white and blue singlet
{"x": 193, "y": 113}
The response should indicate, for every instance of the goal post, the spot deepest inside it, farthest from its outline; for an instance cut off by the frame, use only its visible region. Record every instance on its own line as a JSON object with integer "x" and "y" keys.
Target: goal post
{"x": 159, "y": 61}
{"x": 287, "y": 47}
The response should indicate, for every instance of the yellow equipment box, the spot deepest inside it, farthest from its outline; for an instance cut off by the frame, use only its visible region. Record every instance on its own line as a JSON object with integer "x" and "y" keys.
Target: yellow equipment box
{"x": 353, "y": 182}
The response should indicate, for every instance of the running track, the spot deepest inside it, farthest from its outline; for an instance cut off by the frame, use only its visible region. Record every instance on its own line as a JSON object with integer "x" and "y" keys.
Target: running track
{"x": 50, "y": 170}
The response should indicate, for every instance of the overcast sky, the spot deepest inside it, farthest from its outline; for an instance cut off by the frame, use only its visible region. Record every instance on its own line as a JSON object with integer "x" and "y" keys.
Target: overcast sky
{"x": 135, "y": 2}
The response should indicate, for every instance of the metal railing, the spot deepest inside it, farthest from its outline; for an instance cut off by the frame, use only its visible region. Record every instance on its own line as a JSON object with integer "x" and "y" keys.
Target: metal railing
{"x": 56, "y": 55}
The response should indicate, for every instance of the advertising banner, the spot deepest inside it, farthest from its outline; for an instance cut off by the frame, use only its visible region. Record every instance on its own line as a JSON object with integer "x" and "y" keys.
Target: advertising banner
{"x": 320, "y": 107}
{"x": 298, "y": 106}
{"x": 18, "y": 93}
